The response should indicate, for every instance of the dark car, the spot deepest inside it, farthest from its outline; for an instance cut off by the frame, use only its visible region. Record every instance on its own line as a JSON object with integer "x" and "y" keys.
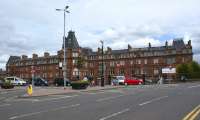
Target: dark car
{"x": 1, "y": 82}
{"x": 39, "y": 82}
{"x": 60, "y": 82}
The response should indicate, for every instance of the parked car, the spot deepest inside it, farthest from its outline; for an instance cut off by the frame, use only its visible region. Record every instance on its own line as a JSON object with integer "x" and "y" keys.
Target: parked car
{"x": 1, "y": 82}
{"x": 7, "y": 85}
{"x": 39, "y": 82}
{"x": 133, "y": 81}
{"x": 115, "y": 82}
{"x": 118, "y": 80}
{"x": 16, "y": 80}
{"x": 148, "y": 81}
{"x": 60, "y": 82}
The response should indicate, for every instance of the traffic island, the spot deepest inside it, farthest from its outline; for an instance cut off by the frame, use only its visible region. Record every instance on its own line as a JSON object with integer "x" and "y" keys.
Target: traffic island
{"x": 38, "y": 92}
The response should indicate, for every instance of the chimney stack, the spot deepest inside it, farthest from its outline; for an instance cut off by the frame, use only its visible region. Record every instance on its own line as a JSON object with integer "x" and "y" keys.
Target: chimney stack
{"x": 46, "y": 54}
{"x": 189, "y": 43}
{"x": 24, "y": 57}
{"x": 35, "y": 56}
{"x": 166, "y": 44}
{"x": 149, "y": 45}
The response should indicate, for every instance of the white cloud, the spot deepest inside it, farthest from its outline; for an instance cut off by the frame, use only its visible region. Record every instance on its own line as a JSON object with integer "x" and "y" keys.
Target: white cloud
{"x": 38, "y": 27}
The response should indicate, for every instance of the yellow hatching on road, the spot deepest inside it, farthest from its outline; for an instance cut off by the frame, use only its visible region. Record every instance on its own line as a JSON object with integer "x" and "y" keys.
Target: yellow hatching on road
{"x": 193, "y": 114}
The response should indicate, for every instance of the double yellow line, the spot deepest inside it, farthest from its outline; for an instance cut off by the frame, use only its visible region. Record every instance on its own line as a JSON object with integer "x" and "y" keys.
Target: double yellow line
{"x": 193, "y": 114}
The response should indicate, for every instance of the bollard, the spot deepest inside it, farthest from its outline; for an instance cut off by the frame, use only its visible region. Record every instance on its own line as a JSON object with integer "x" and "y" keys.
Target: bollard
{"x": 30, "y": 90}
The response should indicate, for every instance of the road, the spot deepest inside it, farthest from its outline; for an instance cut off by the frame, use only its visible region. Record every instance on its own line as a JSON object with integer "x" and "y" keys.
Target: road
{"x": 12, "y": 93}
{"x": 149, "y": 102}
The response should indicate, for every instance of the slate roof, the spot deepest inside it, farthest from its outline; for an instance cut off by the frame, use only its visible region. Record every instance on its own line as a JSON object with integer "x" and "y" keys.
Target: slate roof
{"x": 13, "y": 59}
{"x": 178, "y": 44}
{"x": 71, "y": 41}
{"x": 119, "y": 51}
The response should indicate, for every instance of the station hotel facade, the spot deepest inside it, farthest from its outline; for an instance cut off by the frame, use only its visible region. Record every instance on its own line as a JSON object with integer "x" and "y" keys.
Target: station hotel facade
{"x": 132, "y": 62}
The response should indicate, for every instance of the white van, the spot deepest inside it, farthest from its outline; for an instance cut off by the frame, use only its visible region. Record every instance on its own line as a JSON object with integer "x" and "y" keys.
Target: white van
{"x": 15, "y": 80}
{"x": 118, "y": 80}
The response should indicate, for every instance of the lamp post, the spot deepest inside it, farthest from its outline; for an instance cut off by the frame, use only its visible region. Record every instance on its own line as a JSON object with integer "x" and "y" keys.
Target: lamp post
{"x": 102, "y": 65}
{"x": 64, "y": 63}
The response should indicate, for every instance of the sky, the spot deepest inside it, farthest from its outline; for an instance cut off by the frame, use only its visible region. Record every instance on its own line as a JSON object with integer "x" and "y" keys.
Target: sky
{"x": 34, "y": 26}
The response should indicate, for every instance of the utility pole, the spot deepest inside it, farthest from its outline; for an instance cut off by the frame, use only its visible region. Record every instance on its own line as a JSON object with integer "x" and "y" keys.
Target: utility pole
{"x": 102, "y": 65}
{"x": 32, "y": 75}
{"x": 64, "y": 63}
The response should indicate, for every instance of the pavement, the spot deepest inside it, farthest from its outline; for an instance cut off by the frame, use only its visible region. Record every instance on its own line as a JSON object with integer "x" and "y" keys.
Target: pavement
{"x": 45, "y": 91}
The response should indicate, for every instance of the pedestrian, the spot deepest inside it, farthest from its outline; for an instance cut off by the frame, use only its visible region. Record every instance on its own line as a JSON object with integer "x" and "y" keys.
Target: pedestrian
{"x": 143, "y": 77}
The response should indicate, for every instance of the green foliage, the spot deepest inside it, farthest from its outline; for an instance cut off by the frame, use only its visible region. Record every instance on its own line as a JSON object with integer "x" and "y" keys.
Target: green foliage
{"x": 80, "y": 62}
{"x": 183, "y": 69}
{"x": 82, "y": 84}
{"x": 7, "y": 85}
{"x": 194, "y": 70}
{"x": 190, "y": 70}
{"x": 1, "y": 78}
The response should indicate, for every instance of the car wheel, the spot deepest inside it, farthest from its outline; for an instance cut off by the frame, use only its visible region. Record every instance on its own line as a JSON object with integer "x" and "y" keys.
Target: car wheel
{"x": 140, "y": 83}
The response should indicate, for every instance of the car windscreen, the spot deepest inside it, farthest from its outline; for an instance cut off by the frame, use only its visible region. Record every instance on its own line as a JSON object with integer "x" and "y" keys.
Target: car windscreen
{"x": 120, "y": 78}
{"x": 114, "y": 77}
{"x": 10, "y": 78}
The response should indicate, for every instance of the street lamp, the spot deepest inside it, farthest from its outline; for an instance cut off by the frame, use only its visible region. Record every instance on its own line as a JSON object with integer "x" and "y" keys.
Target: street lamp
{"x": 102, "y": 65}
{"x": 64, "y": 64}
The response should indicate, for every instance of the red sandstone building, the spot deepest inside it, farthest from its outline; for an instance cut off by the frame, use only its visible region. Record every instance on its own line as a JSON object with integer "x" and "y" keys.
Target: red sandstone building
{"x": 82, "y": 62}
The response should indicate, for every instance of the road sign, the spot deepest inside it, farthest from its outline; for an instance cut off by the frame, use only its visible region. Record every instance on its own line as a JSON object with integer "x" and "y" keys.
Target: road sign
{"x": 169, "y": 70}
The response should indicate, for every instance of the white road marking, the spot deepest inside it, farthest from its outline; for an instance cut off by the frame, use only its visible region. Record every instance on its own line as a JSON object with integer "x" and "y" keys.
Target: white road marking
{"x": 3, "y": 92}
{"x": 114, "y": 114}
{"x": 44, "y": 111}
{"x": 10, "y": 98}
{"x": 194, "y": 86}
{"x": 27, "y": 99}
{"x": 50, "y": 99}
{"x": 12, "y": 91}
{"x": 153, "y": 100}
{"x": 2, "y": 98}
{"x": 38, "y": 100}
{"x": 109, "y": 91}
{"x": 94, "y": 93}
{"x": 109, "y": 98}
{"x": 3, "y": 105}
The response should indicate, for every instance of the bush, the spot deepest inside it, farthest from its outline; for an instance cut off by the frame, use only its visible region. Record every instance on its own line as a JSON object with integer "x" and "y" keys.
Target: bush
{"x": 7, "y": 85}
{"x": 79, "y": 84}
{"x": 190, "y": 70}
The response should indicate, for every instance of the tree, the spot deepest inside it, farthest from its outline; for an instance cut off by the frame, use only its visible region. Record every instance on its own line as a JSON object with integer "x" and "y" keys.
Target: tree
{"x": 182, "y": 70}
{"x": 194, "y": 69}
{"x": 189, "y": 70}
{"x": 80, "y": 63}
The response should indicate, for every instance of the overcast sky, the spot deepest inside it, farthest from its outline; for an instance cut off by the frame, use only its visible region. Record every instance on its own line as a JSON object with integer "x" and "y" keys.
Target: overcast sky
{"x": 34, "y": 26}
